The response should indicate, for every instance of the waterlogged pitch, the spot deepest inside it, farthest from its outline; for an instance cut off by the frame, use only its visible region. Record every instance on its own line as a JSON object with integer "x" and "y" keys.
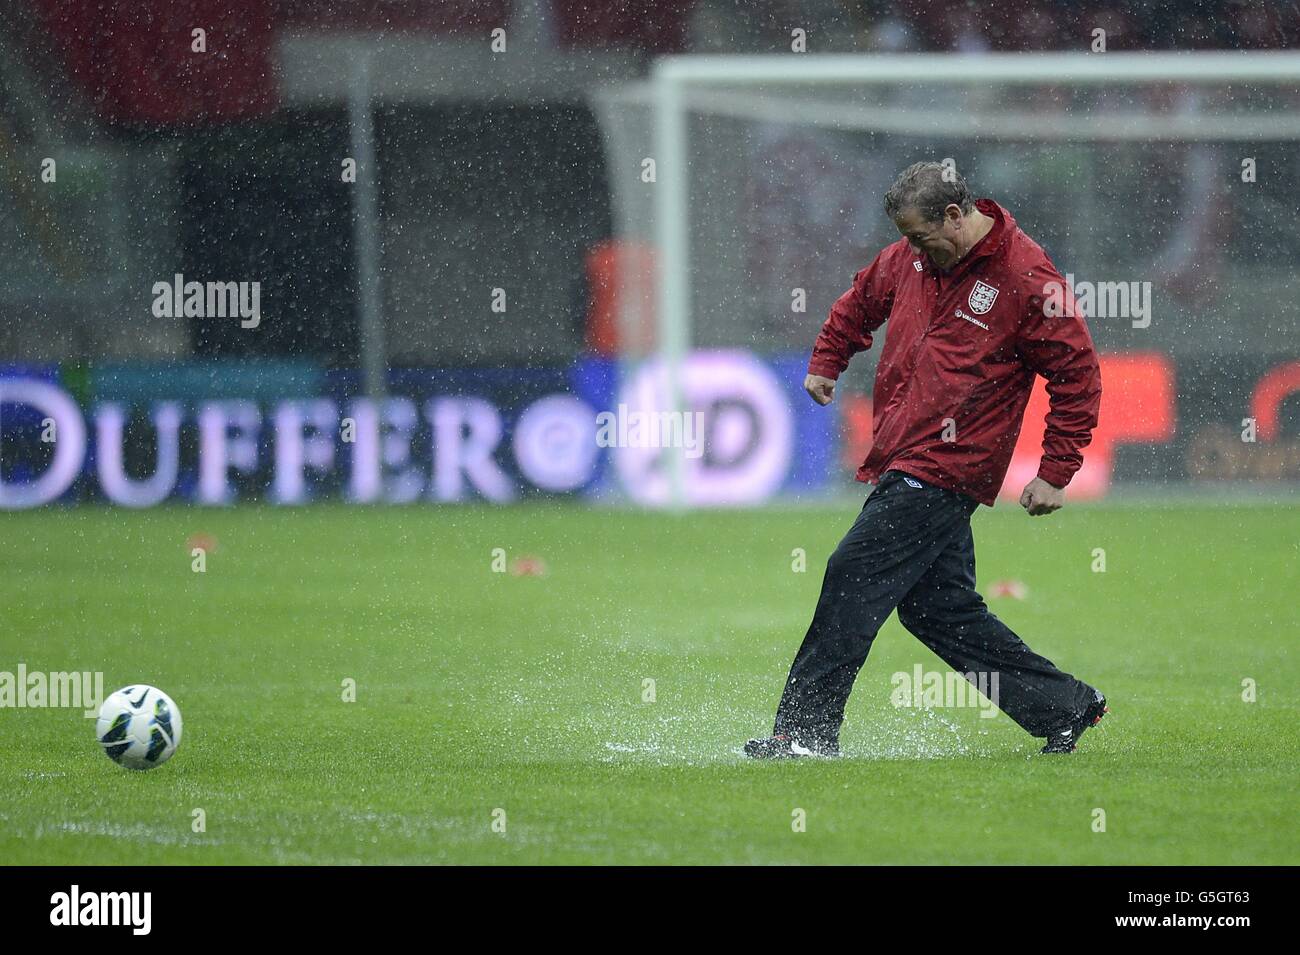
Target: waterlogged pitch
{"x": 561, "y": 685}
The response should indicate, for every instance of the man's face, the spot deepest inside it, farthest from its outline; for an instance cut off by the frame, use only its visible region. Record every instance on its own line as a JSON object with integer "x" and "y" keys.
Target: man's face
{"x": 938, "y": 241}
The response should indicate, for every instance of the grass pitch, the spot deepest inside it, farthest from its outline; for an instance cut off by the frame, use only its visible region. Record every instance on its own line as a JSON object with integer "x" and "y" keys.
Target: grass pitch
{"x": 485, "y": 696}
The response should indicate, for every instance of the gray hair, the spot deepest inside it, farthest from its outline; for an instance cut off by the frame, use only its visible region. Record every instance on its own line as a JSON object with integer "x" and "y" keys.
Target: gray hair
{"x": 928, "y": 187}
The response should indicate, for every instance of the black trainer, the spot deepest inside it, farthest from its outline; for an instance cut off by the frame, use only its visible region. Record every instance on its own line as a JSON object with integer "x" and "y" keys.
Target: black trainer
{"x": 782, "y": 746}
{"x": 1066, "y": 740}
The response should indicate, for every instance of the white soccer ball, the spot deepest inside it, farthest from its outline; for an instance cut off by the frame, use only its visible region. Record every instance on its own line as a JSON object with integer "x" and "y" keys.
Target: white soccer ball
{"x": 139, "y": 727}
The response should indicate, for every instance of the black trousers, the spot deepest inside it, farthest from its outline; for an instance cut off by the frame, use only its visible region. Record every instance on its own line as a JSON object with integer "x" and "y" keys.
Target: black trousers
{"x": 911, "y": 548}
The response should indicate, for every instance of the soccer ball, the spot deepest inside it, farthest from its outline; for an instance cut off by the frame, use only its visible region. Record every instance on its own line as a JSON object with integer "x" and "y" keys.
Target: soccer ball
{"x": 139, "y": 727}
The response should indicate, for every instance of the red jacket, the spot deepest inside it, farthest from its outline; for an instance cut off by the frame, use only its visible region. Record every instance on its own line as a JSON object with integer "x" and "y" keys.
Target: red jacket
{"x": 959, "y": 361}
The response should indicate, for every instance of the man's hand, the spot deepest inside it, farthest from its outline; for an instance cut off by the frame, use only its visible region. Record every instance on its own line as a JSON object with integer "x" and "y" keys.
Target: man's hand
{"x": 821, "y": 389}
{"x": 1039, "y": 497}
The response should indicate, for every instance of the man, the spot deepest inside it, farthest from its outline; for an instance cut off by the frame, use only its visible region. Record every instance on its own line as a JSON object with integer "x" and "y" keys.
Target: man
{"x": 971, "y": 322}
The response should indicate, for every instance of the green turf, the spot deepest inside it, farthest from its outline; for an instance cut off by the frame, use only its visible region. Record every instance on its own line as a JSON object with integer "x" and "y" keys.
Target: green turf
{"x": 480, "y": 691}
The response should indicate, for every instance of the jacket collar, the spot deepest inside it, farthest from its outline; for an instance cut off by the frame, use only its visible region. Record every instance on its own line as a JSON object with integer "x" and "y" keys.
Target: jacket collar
{"x": 998, "y": 236}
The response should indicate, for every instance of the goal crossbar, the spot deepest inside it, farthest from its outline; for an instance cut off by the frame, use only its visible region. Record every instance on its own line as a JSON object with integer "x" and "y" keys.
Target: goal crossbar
{"x": 982, "y": 68}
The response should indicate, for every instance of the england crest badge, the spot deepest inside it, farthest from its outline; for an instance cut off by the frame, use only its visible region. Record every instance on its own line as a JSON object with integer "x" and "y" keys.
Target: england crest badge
{"x": 981, "y": 298}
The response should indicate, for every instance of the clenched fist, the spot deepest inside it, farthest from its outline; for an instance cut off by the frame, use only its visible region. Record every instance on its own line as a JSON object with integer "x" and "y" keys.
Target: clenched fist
{"x": 1039, "y": 497}
{"x": 821, "y": 389}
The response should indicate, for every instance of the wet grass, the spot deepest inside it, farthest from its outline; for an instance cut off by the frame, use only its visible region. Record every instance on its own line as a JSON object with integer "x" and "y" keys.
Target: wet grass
{"x": 523, "y": 699}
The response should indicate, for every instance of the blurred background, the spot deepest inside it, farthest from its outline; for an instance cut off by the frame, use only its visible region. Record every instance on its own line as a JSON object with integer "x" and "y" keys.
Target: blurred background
{"x": 448, "y": 215}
